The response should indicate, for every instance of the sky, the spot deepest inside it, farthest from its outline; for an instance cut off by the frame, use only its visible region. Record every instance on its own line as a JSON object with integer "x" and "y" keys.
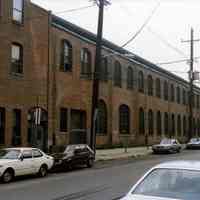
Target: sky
{"x": 159, "y": 41}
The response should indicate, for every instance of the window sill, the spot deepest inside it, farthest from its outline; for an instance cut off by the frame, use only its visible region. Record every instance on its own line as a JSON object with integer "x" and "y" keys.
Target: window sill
{"x": 63, "y": 132}
{"x": 17, "y": 75}
{"x": 87, "y": 77}
{"x": 17, "y": 23}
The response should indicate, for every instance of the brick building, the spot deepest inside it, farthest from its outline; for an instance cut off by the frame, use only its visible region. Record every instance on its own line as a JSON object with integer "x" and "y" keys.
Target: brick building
{"x": 47, "y": 63}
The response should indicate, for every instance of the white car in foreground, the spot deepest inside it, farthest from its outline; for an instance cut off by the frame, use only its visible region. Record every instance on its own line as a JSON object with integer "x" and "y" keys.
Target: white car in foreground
{"x": 23, "y": 161}
{"x": 177, "y": 180}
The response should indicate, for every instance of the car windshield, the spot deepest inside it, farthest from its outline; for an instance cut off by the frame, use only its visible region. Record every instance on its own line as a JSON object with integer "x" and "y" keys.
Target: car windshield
{"x": 194, "y": 140}
{"x": 9, "y": 154}
{"x": 166, "y": 141}
{"x": 69, "y": 148}
{"x": 171, "y": 183}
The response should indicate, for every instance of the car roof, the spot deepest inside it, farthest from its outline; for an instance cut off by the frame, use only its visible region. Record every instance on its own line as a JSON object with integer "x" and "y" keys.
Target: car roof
{"x": 21, "y": 148}
{"x": 182, "y": 164}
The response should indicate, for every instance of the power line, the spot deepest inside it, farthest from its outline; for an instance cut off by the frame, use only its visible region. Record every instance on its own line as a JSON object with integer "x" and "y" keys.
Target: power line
{"x": 142, "y": 27}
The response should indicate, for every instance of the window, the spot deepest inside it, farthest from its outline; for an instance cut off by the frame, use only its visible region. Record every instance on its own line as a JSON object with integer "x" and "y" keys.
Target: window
{"x": 172, "y": 92}
{"x": 178, "y": 97}
{"x": 86, "y": 66}
{"x": 101, "y": 118}
{"x": 158, "y": 88}
{"x": 2, "y": 125}
{"x": 63, "y": 120}
{"x": 179, "y": 130}
{"x": 130, "y": 78}
{"x": 165, "y": 90}
{"x": 17, "y": 58}
{"x": 37, "y": 154}
{"x": 184, "y": 126}
{"x": 151, "y": 122}
{"x": 117, "y": 75}
{"x": 124, "y": 119}
{"x": 198, "y": 127}
{"x": 184, "y": 97}
{"x": 166, "y": 120}
{"x": 193, "y": 100}
{"x": 27, "y": 154}
{"x": 173, "y": 125}
{"x": 1, "y": 8}
{"x": 18, "y": 9}
{"x": 150, "y": 85}
{"x": 66, "y": 56}
{"x": 104, "y": 69}
{"x": 16, "y": 139}
{"x": 159, "y": 123}
{"x": 141, "y": 121}
{"x": 141, "y": 82}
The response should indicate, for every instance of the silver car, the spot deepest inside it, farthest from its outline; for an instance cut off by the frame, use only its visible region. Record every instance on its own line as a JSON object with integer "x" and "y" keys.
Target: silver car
{"x": 194, "y": 143}
{"x": 167, "y": 145}
{"x": 177, "y": 180}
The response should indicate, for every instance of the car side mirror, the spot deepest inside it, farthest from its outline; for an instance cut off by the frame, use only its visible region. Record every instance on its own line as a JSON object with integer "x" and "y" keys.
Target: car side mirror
{"x": 21, "y": 158}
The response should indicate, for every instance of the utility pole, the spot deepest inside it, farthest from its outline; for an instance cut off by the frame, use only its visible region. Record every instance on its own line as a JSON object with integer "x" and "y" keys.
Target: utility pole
{"x": 95, "y": 86}
{"x": 191, "y": 79}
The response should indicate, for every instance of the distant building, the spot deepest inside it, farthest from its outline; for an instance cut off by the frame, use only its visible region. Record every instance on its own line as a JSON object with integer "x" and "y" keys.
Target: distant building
{"x": 47, "y": 63}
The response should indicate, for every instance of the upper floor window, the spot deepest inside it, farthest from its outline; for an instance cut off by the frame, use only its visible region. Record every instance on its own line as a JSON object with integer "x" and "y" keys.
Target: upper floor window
{"x": 184, "y": 97}
{"x": 141, "y": 82}
{"x": 18, "y": 9}
{"x": 158, "y": 88}
{"x": 165, "y": 90}
{"x": 104, "y": 69}
{"x": 150, "y": 85}
{"x": 172, "y": 92}
{"x": 130, "y": 78}
{"x": 86, "y": 64}
{"x": 178, "y": 98}
{"x": 118, "y": 74}
{"x": 66, "y": 56}
{"x": 17, "y": 58}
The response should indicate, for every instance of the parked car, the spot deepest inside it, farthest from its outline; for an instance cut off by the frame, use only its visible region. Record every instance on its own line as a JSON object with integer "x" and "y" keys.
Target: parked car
{"x": 23, "y": 161}
{"x": 167, "y": 145}
{"x": 73, "y": 155}
{"x": 194, "y": 143}
{"x": 177, "y": 180}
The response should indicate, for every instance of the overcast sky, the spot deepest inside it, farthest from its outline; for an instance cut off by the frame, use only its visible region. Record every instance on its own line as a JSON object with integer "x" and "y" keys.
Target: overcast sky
{"x": 169, "y": 25}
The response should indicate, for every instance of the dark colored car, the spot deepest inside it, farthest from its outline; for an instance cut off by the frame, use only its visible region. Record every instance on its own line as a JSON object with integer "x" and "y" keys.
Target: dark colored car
{"x": 167, "y": 146}
{"x": 74, "y": 155}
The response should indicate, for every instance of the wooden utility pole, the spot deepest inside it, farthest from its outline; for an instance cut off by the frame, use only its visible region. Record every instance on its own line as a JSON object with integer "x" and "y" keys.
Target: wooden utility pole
{"x": 191, "y": 79}
{"x": 95, "y": 87}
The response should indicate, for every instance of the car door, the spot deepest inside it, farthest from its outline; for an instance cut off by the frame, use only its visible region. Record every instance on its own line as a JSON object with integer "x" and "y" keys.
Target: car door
{"x": 78, "y": 156}
{"x": 27, "y": 162}
{"x": 38, "y": 159}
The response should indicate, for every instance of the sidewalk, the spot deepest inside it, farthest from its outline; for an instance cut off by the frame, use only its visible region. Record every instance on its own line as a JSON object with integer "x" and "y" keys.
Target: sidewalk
{"x": 118, "y": 153}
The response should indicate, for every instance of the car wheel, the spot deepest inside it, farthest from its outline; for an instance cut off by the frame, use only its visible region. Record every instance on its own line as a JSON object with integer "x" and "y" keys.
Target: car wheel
{"x": 7, "y": 176}
{"x": 90, "y": 163}
{"x": 43, "y": 171}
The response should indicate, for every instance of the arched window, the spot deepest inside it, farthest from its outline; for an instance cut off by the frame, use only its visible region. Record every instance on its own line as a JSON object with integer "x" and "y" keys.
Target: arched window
{"x": 151, "y": 122}
{"x": 130, "y": 78}
{"x": 158, "y": 88}
{"x": 118, "y": 74}
{"x": 179, "y": 129}
{"x": 184, "y": 97}
{"x": 141, "y": 121}
{"x": 184, "y": 126}
{"x": 104, "y": 69}
{"x": 159, "y": 123}
{"x": 124, "y": 119}
{"x": 178, "y": 97}
{"x": 86, "y": 63}
{"x": 166, "y": 120}
{"x": 66, "y": 56}
{"x": 166, "y": 91}
{"x": 172, "y": 93}
{"x": 101, "y": 123}
{"x": 141, "y": 81}
{"x": 150, "y": 85}
{"x": 173, "y": 131}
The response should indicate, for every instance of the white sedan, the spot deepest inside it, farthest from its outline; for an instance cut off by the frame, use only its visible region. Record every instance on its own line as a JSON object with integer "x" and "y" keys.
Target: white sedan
{"x": 23, "y": 161}
{"x": 177, "y": 180}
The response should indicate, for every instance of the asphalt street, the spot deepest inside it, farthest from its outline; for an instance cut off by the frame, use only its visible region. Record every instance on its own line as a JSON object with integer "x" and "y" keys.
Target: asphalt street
{"x": 106, "y": 181}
